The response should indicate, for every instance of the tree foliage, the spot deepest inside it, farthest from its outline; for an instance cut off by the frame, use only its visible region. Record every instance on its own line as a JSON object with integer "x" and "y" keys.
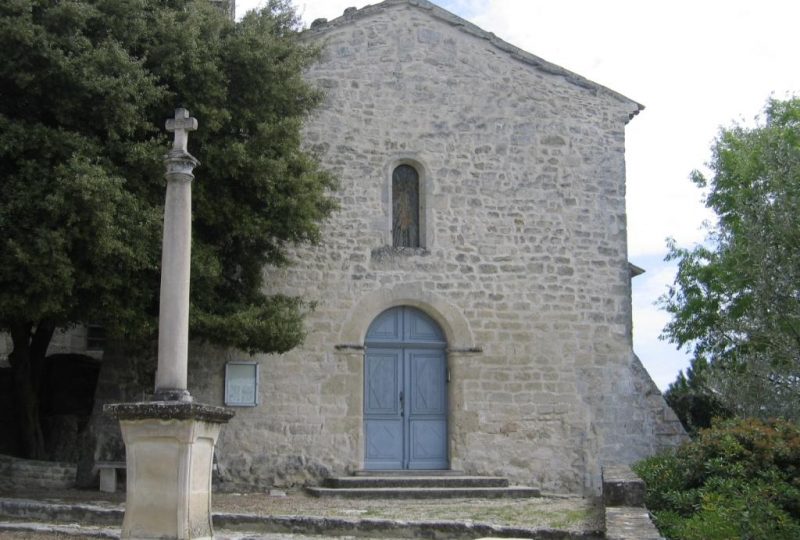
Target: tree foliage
{"x": 85, "y": 87}
{"x": 693, "y": 399}
{"x": 739, "y": 479}
{"x": 736, "y": 299}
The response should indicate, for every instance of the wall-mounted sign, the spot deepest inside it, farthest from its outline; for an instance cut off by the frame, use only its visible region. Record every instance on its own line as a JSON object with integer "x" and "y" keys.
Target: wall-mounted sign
{"x": 241, "y": 384}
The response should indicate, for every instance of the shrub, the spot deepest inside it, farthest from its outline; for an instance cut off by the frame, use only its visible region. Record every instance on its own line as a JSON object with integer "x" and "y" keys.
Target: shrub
{"x": 739, "y": 479}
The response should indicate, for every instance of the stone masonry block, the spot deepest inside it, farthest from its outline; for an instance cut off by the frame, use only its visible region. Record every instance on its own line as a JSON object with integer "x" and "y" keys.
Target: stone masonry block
{"x": 622, "y": 487}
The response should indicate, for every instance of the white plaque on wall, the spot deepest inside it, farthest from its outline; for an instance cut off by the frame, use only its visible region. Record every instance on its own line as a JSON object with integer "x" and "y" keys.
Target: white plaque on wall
{"x": 241, "y": 384}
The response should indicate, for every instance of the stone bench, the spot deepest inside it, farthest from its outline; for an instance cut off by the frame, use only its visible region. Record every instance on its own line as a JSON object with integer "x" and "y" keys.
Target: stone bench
{"x": 108, "y": 474}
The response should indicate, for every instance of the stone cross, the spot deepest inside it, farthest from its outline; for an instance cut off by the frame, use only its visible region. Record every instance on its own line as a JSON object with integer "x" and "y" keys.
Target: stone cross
{"x": 169, "y": 441}
{"x": 181, "y": 125}
{"x": 176, "y": 255}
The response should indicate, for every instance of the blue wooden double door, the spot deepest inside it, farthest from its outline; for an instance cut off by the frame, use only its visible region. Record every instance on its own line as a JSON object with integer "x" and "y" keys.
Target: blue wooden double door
{"x": 405, "y": 392}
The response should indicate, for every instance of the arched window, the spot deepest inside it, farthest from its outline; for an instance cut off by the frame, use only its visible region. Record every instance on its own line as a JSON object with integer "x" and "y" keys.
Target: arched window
{"x": 405, "y": 207}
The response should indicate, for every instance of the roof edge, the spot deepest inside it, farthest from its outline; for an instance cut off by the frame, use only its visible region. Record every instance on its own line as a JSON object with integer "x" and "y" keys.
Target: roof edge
{"x": 320, "y": 26}
{"x": 635, "y": 270}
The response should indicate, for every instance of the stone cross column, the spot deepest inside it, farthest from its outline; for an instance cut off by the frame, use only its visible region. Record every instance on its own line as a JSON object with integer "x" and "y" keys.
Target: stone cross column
{"x": 169, "y": 441}
{"x": 173, "y": 319}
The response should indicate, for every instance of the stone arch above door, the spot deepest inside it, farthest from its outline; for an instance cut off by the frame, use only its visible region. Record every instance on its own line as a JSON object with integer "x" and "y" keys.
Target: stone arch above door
{"x": 449, "y": 318}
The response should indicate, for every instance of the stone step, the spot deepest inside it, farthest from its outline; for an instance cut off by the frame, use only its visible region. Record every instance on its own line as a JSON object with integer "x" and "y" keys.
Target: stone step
{"x": 46, "y": 473}
{"x": 17, "y": 472}
{"x": 37, "y": 478}
{"x": 406, "y": 472}
{"x": 15, "y": 484}
{"x": 40, "y": 466}
{"x": 515, "y": 492}
{"x": 87, "y": 518}
{"x": 43, "y": 480}
{"x": 414, "y": 481}
{"x": 43, "y": 483}
{"x": 6, "y": 460}
{"x": 40, "y": 472}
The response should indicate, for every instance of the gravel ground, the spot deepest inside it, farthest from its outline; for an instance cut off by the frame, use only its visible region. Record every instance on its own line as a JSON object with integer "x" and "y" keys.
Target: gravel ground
{"x": 564, "y": 513}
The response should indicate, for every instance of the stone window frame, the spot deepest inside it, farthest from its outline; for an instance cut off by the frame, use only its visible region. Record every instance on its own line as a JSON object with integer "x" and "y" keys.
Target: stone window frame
{"x": 426, "y": 238}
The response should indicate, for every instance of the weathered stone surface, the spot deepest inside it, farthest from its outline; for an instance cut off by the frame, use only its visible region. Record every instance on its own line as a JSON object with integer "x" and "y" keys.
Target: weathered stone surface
{"x": 622, "y": 487}
{"x": 168, "y": 410}
{"x": 109, "y": 473}
{"x": 169, "y": 464}
{"x": 27, "y": 473}
{"x": 630, "y": 523}
{"x": 173, "y": 314}
{"x": 623, "y": 497}
{"x": 86, "y": 514}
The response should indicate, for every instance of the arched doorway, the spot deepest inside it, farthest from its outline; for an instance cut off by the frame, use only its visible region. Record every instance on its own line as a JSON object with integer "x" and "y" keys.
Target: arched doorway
{"x": 405, "y": 392}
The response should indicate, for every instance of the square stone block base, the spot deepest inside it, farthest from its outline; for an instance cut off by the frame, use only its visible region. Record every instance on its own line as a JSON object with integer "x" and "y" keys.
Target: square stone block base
{"x": 169, "y": 461}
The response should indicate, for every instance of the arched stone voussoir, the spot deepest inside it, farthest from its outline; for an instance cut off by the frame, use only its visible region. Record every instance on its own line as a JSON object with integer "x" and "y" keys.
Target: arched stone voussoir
{"x": 448, "y": 316}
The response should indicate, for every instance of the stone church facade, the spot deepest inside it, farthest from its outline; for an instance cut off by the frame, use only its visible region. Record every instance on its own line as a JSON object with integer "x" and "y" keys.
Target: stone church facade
{"x": 473, "y": 301}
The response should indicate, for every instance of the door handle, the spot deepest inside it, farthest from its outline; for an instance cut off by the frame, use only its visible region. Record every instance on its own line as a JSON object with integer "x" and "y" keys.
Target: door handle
{"x": 402, "y": 408}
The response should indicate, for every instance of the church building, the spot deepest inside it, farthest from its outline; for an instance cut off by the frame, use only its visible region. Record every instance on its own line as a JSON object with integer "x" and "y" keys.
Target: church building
{"x": 472, "y": 293}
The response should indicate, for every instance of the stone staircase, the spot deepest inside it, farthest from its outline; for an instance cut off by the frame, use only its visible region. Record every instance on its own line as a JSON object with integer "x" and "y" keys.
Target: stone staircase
{"x": 623, "y": 498}
{"x": 419, "y": 485}
{"x": 16, "y": 473}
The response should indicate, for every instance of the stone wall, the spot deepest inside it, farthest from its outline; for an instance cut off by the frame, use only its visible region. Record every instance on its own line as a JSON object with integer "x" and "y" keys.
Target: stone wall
{"x": 524, "y": 261}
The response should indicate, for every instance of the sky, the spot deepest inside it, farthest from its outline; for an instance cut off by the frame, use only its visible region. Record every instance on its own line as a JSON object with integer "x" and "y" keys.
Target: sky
{"x": 696, "y": 65}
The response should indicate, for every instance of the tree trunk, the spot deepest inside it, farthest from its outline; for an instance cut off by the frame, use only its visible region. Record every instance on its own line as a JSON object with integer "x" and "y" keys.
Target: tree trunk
{"x": 27, "y": 363}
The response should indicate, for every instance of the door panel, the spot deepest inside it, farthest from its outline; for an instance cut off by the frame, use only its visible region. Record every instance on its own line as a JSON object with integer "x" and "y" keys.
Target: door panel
{"x": 427, "y": 408}
{"x": 382, "y": 382}
{"x": 428, "y": 444}
{"x": 420, "y": 328}
{"x": 388, "y": 326}
{"x": 384, "y": 444}
{"x": 426, "y": 382}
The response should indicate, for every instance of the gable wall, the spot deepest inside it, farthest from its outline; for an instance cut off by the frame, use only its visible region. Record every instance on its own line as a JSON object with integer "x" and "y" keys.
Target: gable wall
{"x": 525, "y": 265}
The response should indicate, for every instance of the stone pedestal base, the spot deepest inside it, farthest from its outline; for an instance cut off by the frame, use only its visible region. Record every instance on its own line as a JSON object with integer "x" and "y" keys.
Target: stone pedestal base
{"x": 170, "y": 451}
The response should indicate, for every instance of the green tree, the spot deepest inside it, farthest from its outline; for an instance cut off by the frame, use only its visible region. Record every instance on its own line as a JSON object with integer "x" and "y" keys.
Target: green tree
{"x": 85, "y": 87}
{"x": 736, "y": 300}
{"x": 694, "y": 399}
